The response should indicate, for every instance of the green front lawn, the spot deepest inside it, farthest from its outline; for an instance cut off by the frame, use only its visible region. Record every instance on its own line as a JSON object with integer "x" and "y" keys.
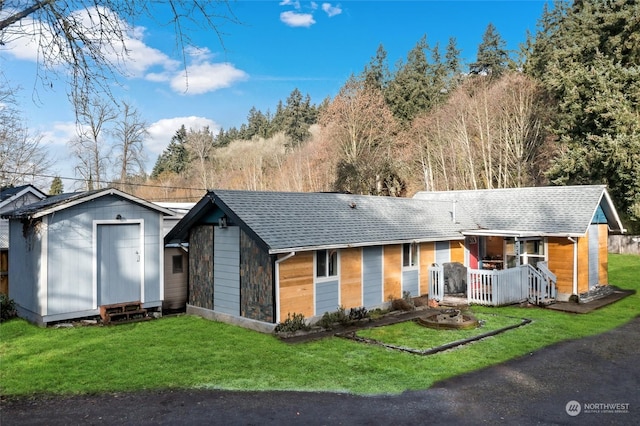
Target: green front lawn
{"x": 191, "y": 352}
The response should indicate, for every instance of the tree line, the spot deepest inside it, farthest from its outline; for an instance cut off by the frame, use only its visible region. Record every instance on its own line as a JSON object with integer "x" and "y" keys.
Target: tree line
{"x": 565, "y": 109}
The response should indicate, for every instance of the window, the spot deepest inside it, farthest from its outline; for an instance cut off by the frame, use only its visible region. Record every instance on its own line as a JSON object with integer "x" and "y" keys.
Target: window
{"x": 409, "y": 255}
{"x": 177, "y": 264}
{"x": 524, "y": 252}
{"x": 326, "y": 263}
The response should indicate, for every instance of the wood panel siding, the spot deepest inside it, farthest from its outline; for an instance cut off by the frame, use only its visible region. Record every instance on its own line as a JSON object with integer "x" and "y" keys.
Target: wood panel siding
{"x": 494, "y": 246}
{"x": 392, "y": 272}
{"x": 457, "y": 251}
{"x": 351, "y": 278}
{"x": 561, "y": 263}
{"x": 427, "y": 258}
{"x": 201, "y": 266}
{"x": 175, "y": 280}
{"x": 296, "y": 285}
{"x": 583, "y": 264}
{"x": 603, "y": 256}
{"x": 256, "y": 281}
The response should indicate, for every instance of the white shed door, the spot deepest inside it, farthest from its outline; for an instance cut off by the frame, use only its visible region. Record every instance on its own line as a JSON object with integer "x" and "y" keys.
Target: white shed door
{"x": 118, "y": 263}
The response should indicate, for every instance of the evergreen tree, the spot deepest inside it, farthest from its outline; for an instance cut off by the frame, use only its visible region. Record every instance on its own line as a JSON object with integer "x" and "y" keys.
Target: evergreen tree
{"x": 175, "y": 158}
{"x": 376, "y": 74}
{"x": 56, "y": 186}
{"x": 587, "y": 56}
{"x": 452, "y": 63}
{"x": 492, "y": 58}
{"x": 257, "y": 124}
{"x": 296, "y": 118}
{"x": 418, "y": 85}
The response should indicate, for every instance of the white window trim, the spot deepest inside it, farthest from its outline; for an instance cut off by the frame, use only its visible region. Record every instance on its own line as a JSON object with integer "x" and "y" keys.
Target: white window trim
{"x": 416, "y": 261}
{"x": 327, "y": 277}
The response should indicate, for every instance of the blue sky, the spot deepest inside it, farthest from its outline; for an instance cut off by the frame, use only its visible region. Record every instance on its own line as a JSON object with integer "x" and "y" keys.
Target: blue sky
{"x": 279, "y": 46}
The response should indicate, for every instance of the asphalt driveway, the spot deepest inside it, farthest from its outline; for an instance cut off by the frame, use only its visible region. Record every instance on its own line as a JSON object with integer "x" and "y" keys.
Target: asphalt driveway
{"x": 595, "y": 381}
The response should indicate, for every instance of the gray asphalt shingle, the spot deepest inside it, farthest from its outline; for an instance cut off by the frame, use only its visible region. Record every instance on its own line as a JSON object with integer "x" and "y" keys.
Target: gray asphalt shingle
{"x": 287, "y": 220}
{"x": 543, "y": 210}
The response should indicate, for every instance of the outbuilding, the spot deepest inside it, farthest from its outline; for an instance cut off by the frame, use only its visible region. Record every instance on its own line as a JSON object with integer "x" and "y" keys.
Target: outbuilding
{"x": 72, "y": 254}
{"x": 11, "y": 199}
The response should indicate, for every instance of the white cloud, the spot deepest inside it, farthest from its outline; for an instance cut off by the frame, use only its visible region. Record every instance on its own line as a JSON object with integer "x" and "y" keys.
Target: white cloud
{"x": 294, "y": 3}
{"x": 330, "y": 10}
{"x": 141, "y": 60}
{"x": 206, "y": 77}
{"x": 161, "y": 132}
{"x": 294, "y": 19}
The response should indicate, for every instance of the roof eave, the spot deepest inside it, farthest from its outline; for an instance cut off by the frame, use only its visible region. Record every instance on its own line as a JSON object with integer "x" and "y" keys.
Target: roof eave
{"x": 365, "y": 244}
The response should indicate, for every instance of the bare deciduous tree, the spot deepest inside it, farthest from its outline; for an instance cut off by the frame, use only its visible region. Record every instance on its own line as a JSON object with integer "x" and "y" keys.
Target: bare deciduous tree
{"x": 199, "y": 145}
{"x": 362, "y": 127}
{"x": 90, "y": 148}
{"x": 88, "y": 38}
{"x": 129, "y": 133}
{"x": 22, "y": 157}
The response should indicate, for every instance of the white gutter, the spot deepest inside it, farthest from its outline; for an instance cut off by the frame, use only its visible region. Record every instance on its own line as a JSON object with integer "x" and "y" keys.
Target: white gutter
{"x": 575, "y": 265}
{"x": 278, "y": 261}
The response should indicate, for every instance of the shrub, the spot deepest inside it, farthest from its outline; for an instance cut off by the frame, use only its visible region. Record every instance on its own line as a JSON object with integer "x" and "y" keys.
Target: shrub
{"x": 330, "y": 319}
{"x": 7, "y": 307}
{"x": 292, "y": 324}
{"x": 401, "y": 305}
{"x": 356, "y": 314}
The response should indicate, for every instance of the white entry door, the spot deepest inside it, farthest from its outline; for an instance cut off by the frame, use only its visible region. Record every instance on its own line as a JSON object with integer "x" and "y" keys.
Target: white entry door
{"x": 119, "y": 257}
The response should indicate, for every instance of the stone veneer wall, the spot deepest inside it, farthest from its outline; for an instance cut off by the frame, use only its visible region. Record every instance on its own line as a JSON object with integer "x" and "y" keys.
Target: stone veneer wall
{"x": 256, "y": 281}
{"x": 201, "y": 266}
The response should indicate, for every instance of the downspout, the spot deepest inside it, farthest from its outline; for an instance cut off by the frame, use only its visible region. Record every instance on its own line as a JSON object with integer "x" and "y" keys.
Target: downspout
{"x": 278, "y": 261}
{"x": 575, "y": 265}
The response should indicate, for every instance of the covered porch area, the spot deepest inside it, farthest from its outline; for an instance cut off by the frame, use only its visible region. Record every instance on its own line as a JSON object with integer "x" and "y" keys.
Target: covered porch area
{"x": 502, "y": 268}
{"x": 524, "y": 283}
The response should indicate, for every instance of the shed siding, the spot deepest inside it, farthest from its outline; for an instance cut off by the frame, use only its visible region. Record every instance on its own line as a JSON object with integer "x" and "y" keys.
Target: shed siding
{"x": 561, "y": 263}
{"x": 603, "y": 255}
{"x": 392, "y": 271}
{"x": 351, "y": 277}
{"x": 427, "y": 258}
{"x": 226, "y": 270}
{"x": 372, "y": 278}
{"x": 25, "y": 266}
{"x": 201, "y": 266}
{"x": 256, "y": 281}
{"x": 443, "y": 254}
{"x": 296, "y": 285}
{"x": 594, "y": 253}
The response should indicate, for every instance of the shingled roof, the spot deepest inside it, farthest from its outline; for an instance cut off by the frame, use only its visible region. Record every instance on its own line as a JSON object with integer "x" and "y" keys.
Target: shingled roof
{"x": 291, "y": 221}
{"x": 540, "y": 211}
{"x": 63, "y": 201}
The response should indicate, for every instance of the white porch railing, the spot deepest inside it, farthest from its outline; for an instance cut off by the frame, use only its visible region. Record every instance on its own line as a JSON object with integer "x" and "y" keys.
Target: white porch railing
{"x": 542, "y": 284}
{"x": 497, "y": 287}
{"x": 436, "y": 282}
{"x": 501, "y": 287}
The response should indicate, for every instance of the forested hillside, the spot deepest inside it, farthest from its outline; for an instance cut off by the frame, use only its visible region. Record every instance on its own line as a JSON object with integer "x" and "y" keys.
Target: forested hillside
{"x": 566, "y": 111}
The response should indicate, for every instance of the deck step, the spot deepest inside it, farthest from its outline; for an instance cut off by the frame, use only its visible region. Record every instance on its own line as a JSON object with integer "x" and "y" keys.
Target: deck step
{"x": 123, "y": 312}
